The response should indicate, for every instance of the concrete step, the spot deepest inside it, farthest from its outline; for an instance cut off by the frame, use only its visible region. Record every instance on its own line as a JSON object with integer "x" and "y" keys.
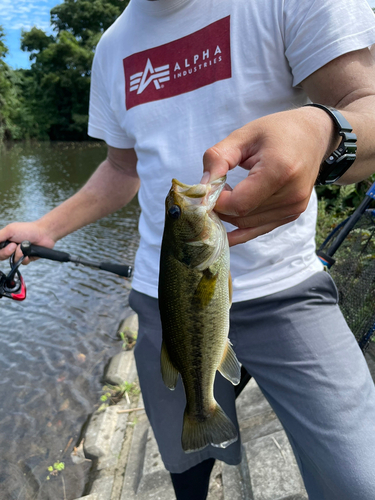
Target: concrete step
{"x": 236, "y": 481}
{"x": 273, "y": 471}
{"x": 268, "y": 470}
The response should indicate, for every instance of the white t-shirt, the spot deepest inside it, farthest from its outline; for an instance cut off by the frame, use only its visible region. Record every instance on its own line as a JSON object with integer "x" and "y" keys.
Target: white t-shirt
{"x": 171, "y": 78}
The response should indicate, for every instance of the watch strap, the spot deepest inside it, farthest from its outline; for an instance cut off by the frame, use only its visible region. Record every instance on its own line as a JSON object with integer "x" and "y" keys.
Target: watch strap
{"x": 342, "y": 158}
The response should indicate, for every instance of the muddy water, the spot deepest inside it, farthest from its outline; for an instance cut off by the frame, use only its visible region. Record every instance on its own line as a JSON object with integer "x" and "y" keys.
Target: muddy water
{"x": 54, "y": 346}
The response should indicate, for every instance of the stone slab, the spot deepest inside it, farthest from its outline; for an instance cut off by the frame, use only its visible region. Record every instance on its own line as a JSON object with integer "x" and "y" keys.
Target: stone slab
{"x": 102, "y": 487}
{"x": 236, "y": 481}
{"x": 134, "y": 466}
{"x": 154, "y": 474}
{"x": 215, "y": 489}
{"x": 92, "y": 496}
{"x": 121, "y": 369}
{"x": 259, "y": 425}
{"x": 99, "y": 432}
{"x": 129, "y": 326}
{"x": 251, "y": 402}
{"x": 145, "y": 475}
{"x": 109, "y": 460}
{"x": 255, "y": 415}
{"x": 274, "y": 473}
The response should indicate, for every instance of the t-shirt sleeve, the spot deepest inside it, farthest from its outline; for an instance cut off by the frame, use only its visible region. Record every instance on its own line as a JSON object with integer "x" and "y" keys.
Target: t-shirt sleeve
{"x": 103, "y": 123}
{"x": 319, "y": 31}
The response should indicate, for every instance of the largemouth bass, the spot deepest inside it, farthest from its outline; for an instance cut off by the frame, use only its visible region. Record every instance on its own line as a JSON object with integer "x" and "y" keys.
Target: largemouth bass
{"x": 194, "y": 302}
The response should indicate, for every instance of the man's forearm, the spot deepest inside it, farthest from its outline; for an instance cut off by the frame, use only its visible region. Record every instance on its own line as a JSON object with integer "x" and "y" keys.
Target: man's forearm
{"x": 106, "y": 191}
{"x": 361, "y": 115}
{"x": 348, "y": 84}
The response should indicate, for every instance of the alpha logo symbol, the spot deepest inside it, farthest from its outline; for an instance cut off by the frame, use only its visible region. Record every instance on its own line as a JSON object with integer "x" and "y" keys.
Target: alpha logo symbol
{"x": 139, "y": 81}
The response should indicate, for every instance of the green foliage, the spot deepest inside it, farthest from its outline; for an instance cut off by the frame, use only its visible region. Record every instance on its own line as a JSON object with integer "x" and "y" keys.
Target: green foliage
{"x": 3, "y": 48}
{"x": 50, "y": 100}
{"x": 55, "y": 469}
{"x": 128, "y": 338}
{"x": 335, "y": 203}
{"x": 12, "y": 118}
{"x": 35, "y": 41}
{"x": 86, "y": 18}
{"x": 112, "y": 394}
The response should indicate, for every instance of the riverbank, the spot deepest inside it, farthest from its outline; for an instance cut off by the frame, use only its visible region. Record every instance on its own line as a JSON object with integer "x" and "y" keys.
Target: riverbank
{"x": 128, "y": 466}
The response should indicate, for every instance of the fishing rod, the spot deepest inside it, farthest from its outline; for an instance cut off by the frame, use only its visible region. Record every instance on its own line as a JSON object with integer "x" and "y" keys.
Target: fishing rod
{"x": 12, "y": 285}
{"x": 325, "y": 252}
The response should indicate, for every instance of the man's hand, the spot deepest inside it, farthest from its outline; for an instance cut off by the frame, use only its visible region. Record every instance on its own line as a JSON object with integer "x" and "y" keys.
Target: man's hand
{"x": 17, "y": 232}
{"x": 283, "y": 153}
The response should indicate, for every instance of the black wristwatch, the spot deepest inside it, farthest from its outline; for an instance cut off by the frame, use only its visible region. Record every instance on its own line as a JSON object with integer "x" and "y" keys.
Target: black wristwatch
{"x": 343, "y": 157}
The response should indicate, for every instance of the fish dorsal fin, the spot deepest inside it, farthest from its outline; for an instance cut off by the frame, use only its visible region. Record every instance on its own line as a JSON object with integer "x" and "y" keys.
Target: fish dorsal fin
{"x": 230, "y": 367}
{"x": 168, "y": 371}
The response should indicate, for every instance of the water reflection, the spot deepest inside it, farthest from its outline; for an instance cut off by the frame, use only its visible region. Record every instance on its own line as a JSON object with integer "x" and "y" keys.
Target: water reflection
{"x": 55, "y": 344}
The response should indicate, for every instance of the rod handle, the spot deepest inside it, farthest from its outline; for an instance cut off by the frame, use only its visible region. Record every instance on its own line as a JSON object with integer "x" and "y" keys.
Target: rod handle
{"x": 119, "y": 269}
{"x": 3, "y": 244}
{"x": 30, "y": 250}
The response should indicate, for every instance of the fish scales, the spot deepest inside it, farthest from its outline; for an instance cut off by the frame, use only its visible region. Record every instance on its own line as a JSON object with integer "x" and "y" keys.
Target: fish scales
{"x": 194, "y": 302}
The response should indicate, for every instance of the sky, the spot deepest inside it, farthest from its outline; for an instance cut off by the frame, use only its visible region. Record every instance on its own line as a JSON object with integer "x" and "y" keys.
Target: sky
{"x": 16, "y": 15}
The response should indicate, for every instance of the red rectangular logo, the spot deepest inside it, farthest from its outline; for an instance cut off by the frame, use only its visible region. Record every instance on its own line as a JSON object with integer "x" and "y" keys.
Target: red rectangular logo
{"x": 180, "y": 66}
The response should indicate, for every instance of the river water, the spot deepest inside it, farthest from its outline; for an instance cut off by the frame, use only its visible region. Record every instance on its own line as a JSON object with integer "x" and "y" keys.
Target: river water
{"x": 54, "y": 345}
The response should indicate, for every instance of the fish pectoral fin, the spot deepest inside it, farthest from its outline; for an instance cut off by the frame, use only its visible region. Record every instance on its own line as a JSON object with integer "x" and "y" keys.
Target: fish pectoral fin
{"x": 230, "y": 367}
{"x": 168, "y": 371}
{"x": 217, "y": 430}
{"x": 205, "y": 289}
{"x": 195, "y": 243}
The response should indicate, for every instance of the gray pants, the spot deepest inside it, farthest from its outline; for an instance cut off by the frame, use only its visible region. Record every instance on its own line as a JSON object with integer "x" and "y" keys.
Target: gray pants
{"x": 298, "y": 347}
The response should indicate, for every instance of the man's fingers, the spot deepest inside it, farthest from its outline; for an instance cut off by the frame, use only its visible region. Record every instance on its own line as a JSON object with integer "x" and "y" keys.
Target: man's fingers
{"x": 242, "y": 235}
{"x": 7, "y": 251}
{"x": 228, "y": 153}
{"x": 263, "y": 217}
{"x": 214, "y": 165}
{"x": 250, "y": 193}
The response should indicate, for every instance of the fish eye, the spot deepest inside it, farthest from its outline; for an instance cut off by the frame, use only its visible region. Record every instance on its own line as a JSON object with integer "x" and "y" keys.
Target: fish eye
{"x": 174, "y": 211}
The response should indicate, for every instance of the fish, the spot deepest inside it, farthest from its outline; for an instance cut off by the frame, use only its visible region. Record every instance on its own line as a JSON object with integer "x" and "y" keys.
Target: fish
{"x": 195, "y": 293}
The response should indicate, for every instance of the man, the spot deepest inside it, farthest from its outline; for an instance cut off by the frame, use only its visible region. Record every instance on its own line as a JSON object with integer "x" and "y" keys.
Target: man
{"x": 172, "y": 78}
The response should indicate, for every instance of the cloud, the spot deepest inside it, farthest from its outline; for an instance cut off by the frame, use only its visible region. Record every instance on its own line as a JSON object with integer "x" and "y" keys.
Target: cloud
{"x": 26, "y": 13}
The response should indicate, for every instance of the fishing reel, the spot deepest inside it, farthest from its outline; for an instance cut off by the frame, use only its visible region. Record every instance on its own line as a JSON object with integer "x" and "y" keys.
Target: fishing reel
{"x": 12, "y": 285}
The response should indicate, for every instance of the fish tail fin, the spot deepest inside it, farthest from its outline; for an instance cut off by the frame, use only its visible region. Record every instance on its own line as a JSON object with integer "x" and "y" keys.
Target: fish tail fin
{"x": 217, "y": 430}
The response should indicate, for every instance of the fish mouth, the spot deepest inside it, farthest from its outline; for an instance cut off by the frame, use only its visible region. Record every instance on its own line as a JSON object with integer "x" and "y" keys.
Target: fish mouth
{"x": 200, "y": 199}
{"x": 200, "y": 194}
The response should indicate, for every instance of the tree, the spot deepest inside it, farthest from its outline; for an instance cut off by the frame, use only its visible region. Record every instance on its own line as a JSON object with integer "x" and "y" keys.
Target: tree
{"x": 85, "y": 18}
{"x": 10, "y": 103}
{"x": 57, "y": 85}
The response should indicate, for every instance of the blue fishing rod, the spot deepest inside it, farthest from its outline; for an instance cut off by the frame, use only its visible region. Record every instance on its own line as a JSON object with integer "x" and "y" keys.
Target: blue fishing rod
{"x": 12, "y": 285}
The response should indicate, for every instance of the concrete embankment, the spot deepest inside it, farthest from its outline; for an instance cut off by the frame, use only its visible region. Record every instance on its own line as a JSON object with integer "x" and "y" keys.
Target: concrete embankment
{"x": 128, "y": 463}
